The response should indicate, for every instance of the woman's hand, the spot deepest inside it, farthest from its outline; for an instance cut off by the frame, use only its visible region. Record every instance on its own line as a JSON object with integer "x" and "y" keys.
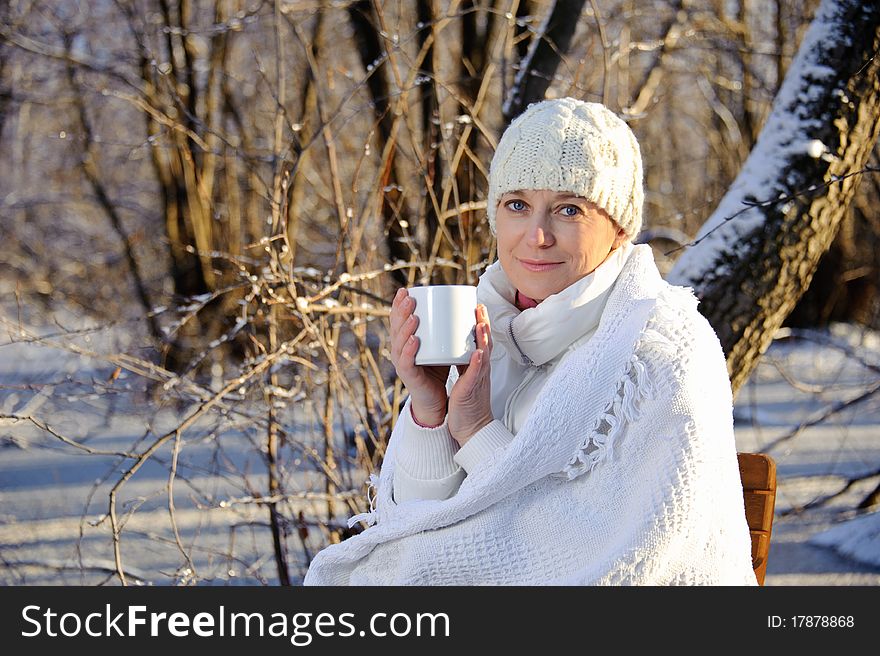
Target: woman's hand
{"x": 426, "y": 385}
{"x": 470, "y": 402}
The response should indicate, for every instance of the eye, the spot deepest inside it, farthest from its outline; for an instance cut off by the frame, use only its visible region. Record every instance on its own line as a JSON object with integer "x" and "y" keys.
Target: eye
{"x": 515, "y": 205}
{"x": 570, "y": 211}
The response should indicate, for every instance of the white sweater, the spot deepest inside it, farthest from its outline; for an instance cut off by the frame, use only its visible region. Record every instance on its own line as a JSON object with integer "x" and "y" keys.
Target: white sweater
{"x": 430, "y": 465}
{"x": 624, "y": 472}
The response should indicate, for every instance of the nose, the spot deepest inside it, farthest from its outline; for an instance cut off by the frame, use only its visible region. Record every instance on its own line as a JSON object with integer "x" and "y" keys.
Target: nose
{"x": 540, "y": 231}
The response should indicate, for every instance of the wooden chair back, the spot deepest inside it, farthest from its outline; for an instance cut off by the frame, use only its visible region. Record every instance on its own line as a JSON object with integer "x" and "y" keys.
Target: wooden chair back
{"x": 758, "y": 474}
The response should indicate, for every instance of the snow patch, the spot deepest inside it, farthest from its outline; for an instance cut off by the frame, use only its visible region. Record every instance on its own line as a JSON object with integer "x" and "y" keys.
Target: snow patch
{"x": 857, "y": 538}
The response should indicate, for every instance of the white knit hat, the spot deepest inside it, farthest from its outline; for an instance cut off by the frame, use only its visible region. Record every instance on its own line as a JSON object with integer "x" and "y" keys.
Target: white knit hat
{"x": 571, "y": 145}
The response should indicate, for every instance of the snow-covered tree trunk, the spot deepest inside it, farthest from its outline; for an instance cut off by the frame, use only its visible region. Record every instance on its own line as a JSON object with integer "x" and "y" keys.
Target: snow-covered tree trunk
{"x": 547, "y": 48}
{"x": 755, "y": 256}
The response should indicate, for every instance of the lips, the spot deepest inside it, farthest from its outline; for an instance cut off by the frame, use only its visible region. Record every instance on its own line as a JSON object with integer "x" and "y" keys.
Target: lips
{"x": 538, "y": 266}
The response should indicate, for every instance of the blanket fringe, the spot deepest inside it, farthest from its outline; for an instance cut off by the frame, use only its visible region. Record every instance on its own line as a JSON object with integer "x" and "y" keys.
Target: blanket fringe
{"x": 369, "y": 516}
{"x": 634, "y": 388}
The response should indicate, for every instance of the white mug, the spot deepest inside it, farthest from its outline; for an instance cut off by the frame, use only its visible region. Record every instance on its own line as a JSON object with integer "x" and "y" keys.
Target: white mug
{"x": 447, "y": 321}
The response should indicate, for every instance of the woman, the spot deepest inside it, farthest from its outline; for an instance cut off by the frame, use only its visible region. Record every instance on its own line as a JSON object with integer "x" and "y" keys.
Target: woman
{"x": 590, "y": 438}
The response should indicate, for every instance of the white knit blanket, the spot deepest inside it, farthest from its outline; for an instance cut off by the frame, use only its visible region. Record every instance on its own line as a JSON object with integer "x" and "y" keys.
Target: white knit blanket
{"x": 625, "y": 471}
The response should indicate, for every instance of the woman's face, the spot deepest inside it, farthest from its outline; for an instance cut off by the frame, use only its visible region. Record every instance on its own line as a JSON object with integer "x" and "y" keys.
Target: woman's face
{"x": 548, "y": 240}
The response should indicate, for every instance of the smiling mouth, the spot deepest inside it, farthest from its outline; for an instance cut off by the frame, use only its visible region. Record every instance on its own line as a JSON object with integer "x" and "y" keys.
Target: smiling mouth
{"x": 539, "y": 265}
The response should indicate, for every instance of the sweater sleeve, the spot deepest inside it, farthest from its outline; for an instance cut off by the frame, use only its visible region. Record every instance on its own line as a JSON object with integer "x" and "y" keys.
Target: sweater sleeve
{"x": 483, "y": 444}
{"x": 425, "y": 465}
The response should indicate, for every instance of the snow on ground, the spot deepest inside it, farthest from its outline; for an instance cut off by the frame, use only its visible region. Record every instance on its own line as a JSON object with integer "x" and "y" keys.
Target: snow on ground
{"x": 829, "y": 544}
{"x": 53, "y": 499}
{"x": 54, "y": 527}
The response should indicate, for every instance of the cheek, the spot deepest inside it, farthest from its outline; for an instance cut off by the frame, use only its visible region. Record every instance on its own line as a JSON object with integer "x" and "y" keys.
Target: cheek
{"x": 503, "y": 247}
{"x": 506, "y": 239}
{"x": 591, "y": 250}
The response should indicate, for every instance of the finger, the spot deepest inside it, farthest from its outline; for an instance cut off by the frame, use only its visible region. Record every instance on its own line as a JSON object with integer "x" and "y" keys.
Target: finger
{"x": 397, "y": 314}
{"x": 400, "y": 338}
{"x": 469, "y": 374}
{"x": 478, "y": 319}
{"x": 484, "y": 344}
{"x": 403, "y": 314}
{"x": 408, "y": 355}
{"x": 484, "y": 320}
{"x": 482, "y": 336}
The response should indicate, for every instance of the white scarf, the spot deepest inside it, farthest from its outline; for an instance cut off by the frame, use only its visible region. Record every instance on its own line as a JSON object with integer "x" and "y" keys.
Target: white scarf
{"x": 624, "y": 473}
{"x": 541, "y": 333}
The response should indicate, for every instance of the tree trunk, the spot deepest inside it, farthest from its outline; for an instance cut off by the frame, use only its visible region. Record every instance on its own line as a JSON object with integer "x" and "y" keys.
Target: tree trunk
{"x": 755, "y": 256}
{"x": 5, "y": 84}
{"x": 546, "y": 50}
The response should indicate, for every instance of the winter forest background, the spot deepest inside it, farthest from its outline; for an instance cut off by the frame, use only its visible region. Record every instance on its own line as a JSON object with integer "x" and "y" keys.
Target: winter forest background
{"x": 207, "y": 205}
